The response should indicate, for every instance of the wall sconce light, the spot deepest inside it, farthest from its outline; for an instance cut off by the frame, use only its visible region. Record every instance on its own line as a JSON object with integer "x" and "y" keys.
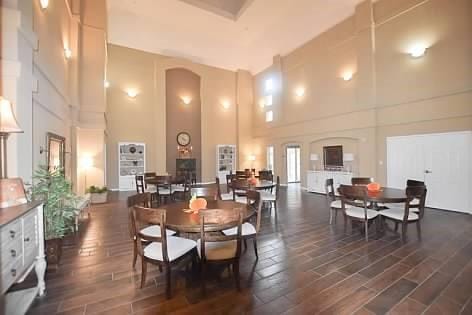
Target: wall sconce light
{"x": 44, "y": 4}
{"x": 226, "y": 104}
{"x": 417, "y": 51}
{"x": 347, "y": 76}
{"x": 106, "y": 84}
{"x": 186, "y": 99}
{"x": 132, "y": 93}
{"x": 300, "y": 91}
{"x": 67, "y": 53}
{"x": 251, "y": 157}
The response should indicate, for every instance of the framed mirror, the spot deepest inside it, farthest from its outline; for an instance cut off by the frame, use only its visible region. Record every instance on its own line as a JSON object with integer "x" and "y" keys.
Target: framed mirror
{"x": 56, "y": 156}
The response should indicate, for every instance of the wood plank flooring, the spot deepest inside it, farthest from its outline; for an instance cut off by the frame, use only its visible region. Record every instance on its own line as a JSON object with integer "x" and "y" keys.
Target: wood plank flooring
{"x": 305, "y": 266}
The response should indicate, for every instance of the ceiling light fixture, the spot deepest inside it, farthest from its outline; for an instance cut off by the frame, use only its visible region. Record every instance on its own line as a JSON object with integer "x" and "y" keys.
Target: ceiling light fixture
{"x": 67, "y": 53}
{"x": 44, "y": 4}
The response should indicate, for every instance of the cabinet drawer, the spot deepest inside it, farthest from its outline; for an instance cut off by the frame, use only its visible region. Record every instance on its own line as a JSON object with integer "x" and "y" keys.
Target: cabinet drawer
{"x": 10, "y": 251}
{"x": 11, "y": 272}
{"x": 11, "y": 232}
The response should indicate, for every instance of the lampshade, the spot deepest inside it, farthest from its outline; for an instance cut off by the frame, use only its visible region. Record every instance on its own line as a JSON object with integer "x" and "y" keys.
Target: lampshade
{"x": 251, "y": 157}
{"x": 86, "y": 162}
{"x": 348, "y": 157}
{"x": 8, "y": 123}
{"x": 314, "y": 157}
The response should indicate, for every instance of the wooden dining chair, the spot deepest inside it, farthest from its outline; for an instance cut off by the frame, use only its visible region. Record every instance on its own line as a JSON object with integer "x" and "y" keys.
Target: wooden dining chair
{"x": 142, "y": 188}
{"x": 164, "y": 188}
{"x": 219, "y": 248}
{"x": 272, "y": 197}
{"x": 403, "y": 215}
{"x": 334, "y": 203}
{"x": 239, "y": 188}
{"x": 362, "y": 181}
{"x": 415, "y": 203}
{"x": 143, "y": 200}
{"x": 266, "y": 175}
{"x": 350, "y": 198}
{"x": 163, "y": 250}
{"x": 181, "y": 188}
{"x": 207, "y": 192}
{"x": 222, "y": 196}
{"x": 230, "y": 177}
{"x": 250, "y": 230}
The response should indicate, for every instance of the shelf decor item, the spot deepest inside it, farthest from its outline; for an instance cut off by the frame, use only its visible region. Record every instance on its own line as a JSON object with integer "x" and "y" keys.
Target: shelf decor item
{"x": 225, "y": 160}
{"x": 97, "y": 194}
{"x": 132, "y": 162}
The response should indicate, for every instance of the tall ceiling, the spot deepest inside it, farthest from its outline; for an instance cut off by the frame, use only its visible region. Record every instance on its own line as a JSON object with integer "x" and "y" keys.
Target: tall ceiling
{"x": 230, "y": 34}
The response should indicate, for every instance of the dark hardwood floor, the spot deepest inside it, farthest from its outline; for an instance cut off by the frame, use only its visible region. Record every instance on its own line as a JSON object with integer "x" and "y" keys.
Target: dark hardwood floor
{"x": 305, "y": 266}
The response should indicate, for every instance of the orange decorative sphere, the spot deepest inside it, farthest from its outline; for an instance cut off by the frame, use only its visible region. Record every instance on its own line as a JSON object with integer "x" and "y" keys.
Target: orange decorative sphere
{"x": 198, "y": 204}
{"x": 252, "y": 181}
{"x": 373, "y": 187}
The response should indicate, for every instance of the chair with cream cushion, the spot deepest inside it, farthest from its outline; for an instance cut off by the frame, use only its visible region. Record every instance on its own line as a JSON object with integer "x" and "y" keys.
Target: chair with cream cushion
{"x": 403, "y": 215}
{"x": 216, "y": 248}
{"x": 334, "y": 204}
{"x": 415, "y": 203}
{"x": 221, "y": 196}
{"x": 250, "y": 230}
{"x": 350, "y": 195}
{"x": 164, "y": 251}
{"x": 151, "y": 230}
{"x": 270, "y": 197}
{"x": 239, "y": 188}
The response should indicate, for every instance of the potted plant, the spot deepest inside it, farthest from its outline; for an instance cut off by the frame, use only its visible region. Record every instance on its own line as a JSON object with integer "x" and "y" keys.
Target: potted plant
{"x": 97, "y": 194}
{"x": 55, "y": 191}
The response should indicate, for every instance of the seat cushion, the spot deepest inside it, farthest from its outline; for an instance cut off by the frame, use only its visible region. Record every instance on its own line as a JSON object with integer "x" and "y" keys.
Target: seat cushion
{"x": 267, "y": 196}
{"x": 150, "y": 189}
{"x": 228, "y": 196}
{"x": 336, "y": 204}
{"x": 179, "y": 188}
{"x": 398, "y": 213}
{"x": 241, "y": 199}
{"x": 246, "y": 229}
{"x": 218, "y": 250}
{"x": 401, "y": 206}
{"x": 359, "y": 213}
{"x": 155, "y": 231}
{"x": 176, "y": 248}
{"x": 164, "y": 191}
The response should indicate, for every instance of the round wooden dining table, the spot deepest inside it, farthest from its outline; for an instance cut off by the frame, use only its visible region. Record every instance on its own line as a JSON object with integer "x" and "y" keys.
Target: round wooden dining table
{"x": 262, "y": 184}
{"x": 179, "y": 220}
{"x": 384, "y": 195}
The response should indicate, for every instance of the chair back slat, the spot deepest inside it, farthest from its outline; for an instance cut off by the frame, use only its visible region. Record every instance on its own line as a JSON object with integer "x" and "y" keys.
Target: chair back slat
{"x": 362, "y": 181}
{"x": 350, "y": 195}
{"x": 254, "y": 202}
{"x": 329, "y": 188}
{"x": 266, "y": 175}
{"x": 207, "y": 192}
{"x": 143, "y": 200}
{"x": 140, "y": 186}
{"x": 147, "y": 216}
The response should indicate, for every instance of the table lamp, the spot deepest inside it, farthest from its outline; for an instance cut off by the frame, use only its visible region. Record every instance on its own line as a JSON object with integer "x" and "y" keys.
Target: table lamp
{"x": 314, "y": 157}
{"x": 8, "y": 124}
{"x": 348, "y": 157}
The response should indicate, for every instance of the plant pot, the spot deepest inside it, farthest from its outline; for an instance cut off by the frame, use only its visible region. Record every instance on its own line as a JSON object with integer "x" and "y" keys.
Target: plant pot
{"x": 53, "y": 251}
{"x": 98, "y": 197}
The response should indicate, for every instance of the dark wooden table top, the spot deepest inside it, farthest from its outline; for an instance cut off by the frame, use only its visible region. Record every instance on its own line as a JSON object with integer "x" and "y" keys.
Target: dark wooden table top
{"x": 386, "y": 194}
{"x": 181, "y": 221}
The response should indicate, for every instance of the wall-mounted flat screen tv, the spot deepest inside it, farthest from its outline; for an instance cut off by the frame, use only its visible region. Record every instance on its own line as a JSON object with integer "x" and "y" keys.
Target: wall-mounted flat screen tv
{"x": 333, "y": 156}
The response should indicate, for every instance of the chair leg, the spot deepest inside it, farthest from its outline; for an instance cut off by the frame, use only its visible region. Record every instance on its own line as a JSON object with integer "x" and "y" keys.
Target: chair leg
{"x": 245, "y": 244}
{"x": 366, "y": 227}
{"x": 202, "y": 280}
{"x": 236, "y": 274}
{"x": 396, "y": 226}
{"x": 418, "y": 229}
{"x": 160, "y": 268}
{"x": 135, "y": 254}
{"x": 345, "y": 223}
{"x": 255, "y": 248}
{"x": 335, "y": 216}
{"x": 331, "y": 216}
{"x": 168, "y": 279}
{"x": 143, "y": 272}
{"x": 404, "y": 229}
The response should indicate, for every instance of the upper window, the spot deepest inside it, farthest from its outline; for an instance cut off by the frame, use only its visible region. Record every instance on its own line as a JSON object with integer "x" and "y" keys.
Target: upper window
{"x": 269, "y": 116}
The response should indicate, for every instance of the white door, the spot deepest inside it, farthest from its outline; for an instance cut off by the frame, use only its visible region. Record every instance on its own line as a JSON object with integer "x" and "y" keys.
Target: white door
{"x": 442, "y": 161}
{"x": 293, "y": 164}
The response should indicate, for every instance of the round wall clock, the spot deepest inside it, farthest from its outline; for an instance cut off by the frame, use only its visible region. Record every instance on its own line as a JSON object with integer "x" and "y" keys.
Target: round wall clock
{"x": 183, "y": 138}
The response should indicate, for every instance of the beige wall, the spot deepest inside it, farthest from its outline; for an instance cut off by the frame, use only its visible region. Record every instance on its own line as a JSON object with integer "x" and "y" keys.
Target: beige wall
{"x": 390, "y": 93}
{"x": 46, "y": 89}
{"x": 183, "y": 117}
{"x": 144, "y": 118}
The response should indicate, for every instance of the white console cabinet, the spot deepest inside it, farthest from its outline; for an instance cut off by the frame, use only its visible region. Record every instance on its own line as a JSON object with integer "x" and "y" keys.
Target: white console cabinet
{"x": 316, "y": 180}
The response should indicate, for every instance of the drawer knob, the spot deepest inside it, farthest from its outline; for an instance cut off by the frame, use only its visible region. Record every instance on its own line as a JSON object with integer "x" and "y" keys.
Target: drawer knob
{"x": 13, "y": 272}
{"x": 12, "y": 234}
{"x": 13, "y": 253}
{"x": 27, "y": 239}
